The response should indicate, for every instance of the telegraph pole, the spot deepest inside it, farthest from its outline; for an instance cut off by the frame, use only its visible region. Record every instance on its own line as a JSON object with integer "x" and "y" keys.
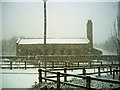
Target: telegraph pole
{"x": 45, "y": 27}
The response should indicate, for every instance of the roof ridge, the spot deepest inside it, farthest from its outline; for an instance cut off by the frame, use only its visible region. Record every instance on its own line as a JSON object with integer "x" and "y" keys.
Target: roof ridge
{"x": 58, "y": 38}
{"x": 55, "y": 41}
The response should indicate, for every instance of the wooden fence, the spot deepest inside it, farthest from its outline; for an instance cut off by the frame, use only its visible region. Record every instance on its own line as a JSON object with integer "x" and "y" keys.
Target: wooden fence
{"x": 53, "y": 65}
{"x": 65, "y": 75}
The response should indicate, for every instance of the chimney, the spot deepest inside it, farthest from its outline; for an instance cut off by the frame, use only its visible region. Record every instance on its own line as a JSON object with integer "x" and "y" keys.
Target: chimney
{"x": 89, "y": 32}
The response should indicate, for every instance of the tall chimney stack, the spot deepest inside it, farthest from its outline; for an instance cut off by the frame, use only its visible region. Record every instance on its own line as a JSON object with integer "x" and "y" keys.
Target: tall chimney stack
{"x": 89, "y": 32}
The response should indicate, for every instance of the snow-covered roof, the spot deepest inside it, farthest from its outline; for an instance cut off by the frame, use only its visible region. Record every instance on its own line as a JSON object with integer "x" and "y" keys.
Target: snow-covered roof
{"x": 54, "y": 41}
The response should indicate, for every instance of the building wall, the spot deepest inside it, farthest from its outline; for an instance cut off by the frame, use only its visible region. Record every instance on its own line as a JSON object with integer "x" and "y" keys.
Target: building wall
{"x": 56, "y": 49}
{"x": 50, "y": 49}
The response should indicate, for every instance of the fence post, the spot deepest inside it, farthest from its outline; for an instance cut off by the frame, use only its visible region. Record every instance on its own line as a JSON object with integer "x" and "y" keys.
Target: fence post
{"x": 65, "y": 64}
{"x": 11, "y": 65}
{"x": 40, "y": 75}
{"x": 94, "y": 69}
{"x": 103, "y": 68}
{"x": 110, "y": 69}
{"x": 58, "y": 79}
{"x": 88, "y": 82}
{"x": 101, "y": 63}
{"x": 90, "y": 64}
{"x": 68, "y": 64}
{"x": 113, "y": 74}
{"x": 107, "y": 70}
{"x": 25, "y": 65}
{"x": 72, "y": 65}
{"x": 65, "y": 77}
{"x": 39, "y": 64}
{"x": 116, "y": 70}
{"x": 53, "y": 65}
{"x": 98, "y": 71}
{"x": 78, "y": 64}
{"x": 84, "y": 71}
{"x": 111, "y": 63}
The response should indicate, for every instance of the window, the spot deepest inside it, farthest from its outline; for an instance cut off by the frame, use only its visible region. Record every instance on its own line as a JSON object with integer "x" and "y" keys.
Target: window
{"x": 77, "y": 52}
{"x": 69, "y": 52}
{"x": 53, "y": 52}
{"x": 35, "y": 51}
{"x": 40, "y": 53}
{"x": 62, "y": 52}
{"x": 29, "y": 52}
{"x": 46, "y": 51}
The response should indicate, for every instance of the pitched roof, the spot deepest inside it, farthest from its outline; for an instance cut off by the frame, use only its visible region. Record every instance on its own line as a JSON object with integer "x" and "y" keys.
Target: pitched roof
{"x": 53, "y": 41}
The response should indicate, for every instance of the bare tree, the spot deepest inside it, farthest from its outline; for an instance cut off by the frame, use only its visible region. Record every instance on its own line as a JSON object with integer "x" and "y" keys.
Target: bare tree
{"x": 116, "y": 35}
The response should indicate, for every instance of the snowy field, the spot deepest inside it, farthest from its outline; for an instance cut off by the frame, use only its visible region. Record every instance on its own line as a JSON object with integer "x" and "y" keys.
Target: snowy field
{"x": 20, "y": 78}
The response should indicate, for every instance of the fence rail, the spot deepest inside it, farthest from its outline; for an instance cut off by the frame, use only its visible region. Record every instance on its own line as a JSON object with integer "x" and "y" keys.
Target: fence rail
{"x": 65, "y": 75}
{"x": 53, "y": 65}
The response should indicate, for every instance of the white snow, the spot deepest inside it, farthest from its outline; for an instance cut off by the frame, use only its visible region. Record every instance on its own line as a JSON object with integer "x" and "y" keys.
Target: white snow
{"x": 18, "y": 40}
{"x": 27, "y": 80}
{"x": 105, "y": 52}
{"x": 19, "y": 80}
{"x": 54, "y": 41}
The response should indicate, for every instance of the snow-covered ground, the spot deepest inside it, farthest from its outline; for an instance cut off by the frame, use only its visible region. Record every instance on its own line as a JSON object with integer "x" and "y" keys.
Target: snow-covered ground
{"x": 82, "y": 82}
{"x": 105, "y": 52}
{"x": 20, "y": 78}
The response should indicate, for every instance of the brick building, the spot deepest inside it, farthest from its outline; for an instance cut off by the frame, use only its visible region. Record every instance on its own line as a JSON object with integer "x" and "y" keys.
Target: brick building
{"x": 58, "y": 46}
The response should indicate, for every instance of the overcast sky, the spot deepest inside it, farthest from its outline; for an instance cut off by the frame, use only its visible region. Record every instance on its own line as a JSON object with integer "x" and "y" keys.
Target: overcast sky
{"x": 64, "y": 19}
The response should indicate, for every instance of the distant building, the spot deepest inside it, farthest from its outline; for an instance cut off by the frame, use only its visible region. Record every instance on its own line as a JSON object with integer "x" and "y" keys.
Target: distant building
{"x": 58, "y": 46}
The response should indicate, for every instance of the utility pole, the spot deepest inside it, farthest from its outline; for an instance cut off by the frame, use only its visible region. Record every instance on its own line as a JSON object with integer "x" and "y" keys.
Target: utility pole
{"x": 45, "y": 27}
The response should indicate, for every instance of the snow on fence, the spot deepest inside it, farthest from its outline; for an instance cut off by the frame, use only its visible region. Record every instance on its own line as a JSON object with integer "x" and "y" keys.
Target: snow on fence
{"x": 58, "y": 64}
{"x": 65, "y": 75}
